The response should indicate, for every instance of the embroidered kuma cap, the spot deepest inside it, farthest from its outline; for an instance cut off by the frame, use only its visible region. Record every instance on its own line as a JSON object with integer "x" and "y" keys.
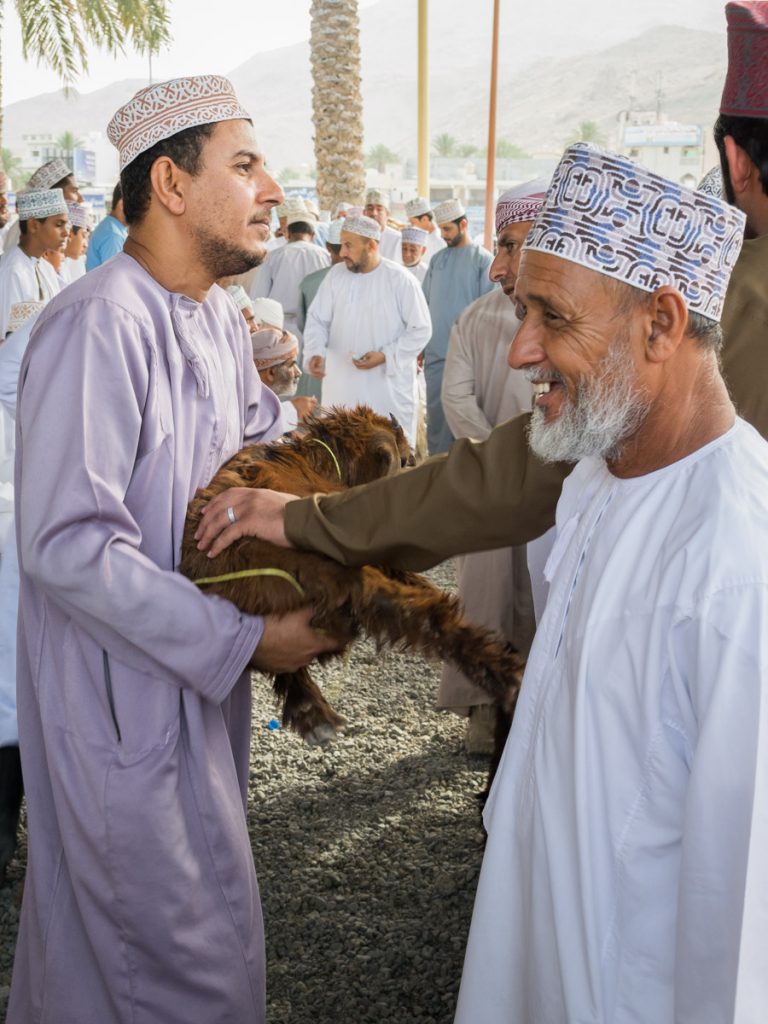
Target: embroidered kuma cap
{"x": 450, "y": 210}
{"x": 613, "y": 216}
{"x": 79, "y": 215}
{"x": 334, "y": 230}
{"x": 40, "y": 203}
{"x": 415, "y": 236}
{"x": 240, "y": 295}
{"x": 712, "y": 183}
{"x": 162, "y": 110}
{"x": 745, "y": 93}
{"x": 417, "y": 207}
{"x": 362, "y": 225}
{"x": 375, "y": 197}
{"x": 49, "y": 174}
{"x": 521, "y": 203}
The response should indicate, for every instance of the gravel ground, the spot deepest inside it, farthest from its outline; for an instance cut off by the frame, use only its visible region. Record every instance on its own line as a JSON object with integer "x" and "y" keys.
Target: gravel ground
{"x": 367, "y": 851}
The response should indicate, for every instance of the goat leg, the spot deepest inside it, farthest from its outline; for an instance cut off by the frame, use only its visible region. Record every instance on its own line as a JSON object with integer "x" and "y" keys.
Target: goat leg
{"x": 305, "y": 709}
{"x": 421, "y": 617}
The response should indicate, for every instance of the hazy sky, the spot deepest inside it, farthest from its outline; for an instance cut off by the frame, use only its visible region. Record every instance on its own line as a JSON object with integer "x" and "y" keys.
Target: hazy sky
{"x": 207, "y": 37}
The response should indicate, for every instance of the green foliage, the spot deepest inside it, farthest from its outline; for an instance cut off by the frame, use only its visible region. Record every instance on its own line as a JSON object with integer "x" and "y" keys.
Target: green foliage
{"x": 68, "y": 143}
{"x": 444, "y": 145}
{"x": 56, "y": 32}
{"x": 288, "y": 174}
{"x": 466, "y": 150}
{"x": 587, "y": 131}
{"x": 380, "y": 156}
{"x": 11, "y": 164}
{"x": 506, "y": 150}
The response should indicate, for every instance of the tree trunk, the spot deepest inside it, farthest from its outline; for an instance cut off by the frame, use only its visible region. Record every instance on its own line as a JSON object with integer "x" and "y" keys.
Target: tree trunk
{"x": 337, "y": 105}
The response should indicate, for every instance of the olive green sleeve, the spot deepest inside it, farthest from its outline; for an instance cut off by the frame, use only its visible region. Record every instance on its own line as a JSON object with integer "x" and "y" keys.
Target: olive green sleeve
{"x": 478, "y": 496}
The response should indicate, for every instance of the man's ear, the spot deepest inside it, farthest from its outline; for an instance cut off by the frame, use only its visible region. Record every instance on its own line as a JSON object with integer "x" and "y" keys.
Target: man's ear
{"x": 168, "y": 184}
{"x": 740, "y": 165}
{"x": 668, "y": 315}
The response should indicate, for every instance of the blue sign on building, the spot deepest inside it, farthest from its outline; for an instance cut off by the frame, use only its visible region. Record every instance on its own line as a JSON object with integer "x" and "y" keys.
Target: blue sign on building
{"x": 84, "y": 161}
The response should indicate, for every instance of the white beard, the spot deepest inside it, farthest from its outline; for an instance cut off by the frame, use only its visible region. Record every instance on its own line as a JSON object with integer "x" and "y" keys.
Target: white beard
{"x": 608, "y": 409}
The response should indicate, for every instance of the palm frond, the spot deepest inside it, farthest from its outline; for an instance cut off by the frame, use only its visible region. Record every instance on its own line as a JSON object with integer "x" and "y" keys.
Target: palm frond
{"x": 100, "y": 23}
{"x": 146, "y": 22}
{"x": 50, "y": 33}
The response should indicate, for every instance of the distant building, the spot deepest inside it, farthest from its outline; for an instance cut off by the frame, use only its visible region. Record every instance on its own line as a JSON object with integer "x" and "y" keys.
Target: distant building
{"x": 39, "y": 148}
{"x": 675, "y": 150}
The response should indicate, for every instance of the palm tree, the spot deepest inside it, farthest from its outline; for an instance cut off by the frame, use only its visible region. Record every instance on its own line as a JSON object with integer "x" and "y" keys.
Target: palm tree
{"x": 68, "y": 143}
{"x": 587, "y": 131}
{"x": 337, "y": 104}
{"x": 380, "y": 156}
{"x": 56, "y": 32}
{"x": 444, "y": 145}
{"x": 11, "y": 164}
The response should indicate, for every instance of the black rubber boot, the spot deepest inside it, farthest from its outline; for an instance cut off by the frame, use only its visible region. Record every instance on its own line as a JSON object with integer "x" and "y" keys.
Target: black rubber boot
{"x": 11, "y": 792}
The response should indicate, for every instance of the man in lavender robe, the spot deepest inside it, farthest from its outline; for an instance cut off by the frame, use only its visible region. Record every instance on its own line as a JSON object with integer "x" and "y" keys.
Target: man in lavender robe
{"x": 141, "y": 901}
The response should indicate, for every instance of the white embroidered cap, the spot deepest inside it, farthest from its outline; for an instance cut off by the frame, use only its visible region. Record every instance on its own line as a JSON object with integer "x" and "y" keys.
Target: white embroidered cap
{"x": 49, "y": 174}
{"x": 712, "y": 184}
{"x": 341, "y": 208}
{"x": 304, "y": 216}
{"x": 417, "y": 207}
{"x": 521, "y": 203}
{"x": 362, "y": 225}
{"x": 450, "y": 210}
{"x": 375, "y": 197}
{"x": 293, "y": 204}
{"x": 613, "y": 216}
{"x": 268, "y": 311}
{"x": 164, "y": 109}
{"x": 40, "y": 203}
{"x": 79, "y": 215}
{"x": 334, "y": 230}
{"x": 415, "y": 235}
{"x": 240, "y": 295}
{"x": 21, "y": 312}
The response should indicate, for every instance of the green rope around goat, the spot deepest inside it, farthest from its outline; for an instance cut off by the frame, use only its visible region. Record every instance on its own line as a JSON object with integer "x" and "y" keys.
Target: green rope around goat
{"x": 330, "y": 451}
{"x": 245, "y": 573}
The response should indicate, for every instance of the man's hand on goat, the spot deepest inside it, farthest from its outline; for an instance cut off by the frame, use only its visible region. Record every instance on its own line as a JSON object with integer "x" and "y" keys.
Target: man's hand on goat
{"x": 288, "y": 643}
{"x": 257, "y": 512}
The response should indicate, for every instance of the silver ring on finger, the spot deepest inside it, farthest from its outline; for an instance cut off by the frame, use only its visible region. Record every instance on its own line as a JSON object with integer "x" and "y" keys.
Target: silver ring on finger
{"x": 231, "y": 515}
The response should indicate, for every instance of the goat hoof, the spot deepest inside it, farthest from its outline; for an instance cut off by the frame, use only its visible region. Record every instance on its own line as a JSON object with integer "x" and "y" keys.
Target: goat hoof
{"x": 321, "y": 735}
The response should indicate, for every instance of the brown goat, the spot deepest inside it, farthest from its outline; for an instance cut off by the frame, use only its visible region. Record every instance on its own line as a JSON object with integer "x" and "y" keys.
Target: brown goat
{"x": 330, "y": 452}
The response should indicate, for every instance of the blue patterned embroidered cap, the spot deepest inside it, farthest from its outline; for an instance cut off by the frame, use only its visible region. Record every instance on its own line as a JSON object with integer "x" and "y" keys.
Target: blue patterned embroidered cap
{"x": 613, "y": 216}
{"x": 415, "y": 236}
{"x": 41, "y": 203}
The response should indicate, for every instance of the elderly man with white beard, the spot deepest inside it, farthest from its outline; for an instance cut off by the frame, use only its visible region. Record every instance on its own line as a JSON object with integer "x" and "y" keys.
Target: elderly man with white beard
{"x": 276, "y": 357}
{"x": 623, "y": 878}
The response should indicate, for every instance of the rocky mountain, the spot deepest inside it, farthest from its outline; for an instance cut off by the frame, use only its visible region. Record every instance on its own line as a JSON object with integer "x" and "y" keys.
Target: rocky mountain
{"x": 556, "y": 70}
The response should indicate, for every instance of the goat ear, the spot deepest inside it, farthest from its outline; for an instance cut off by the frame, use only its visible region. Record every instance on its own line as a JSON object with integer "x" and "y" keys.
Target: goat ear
{"x": 386, "y": 455}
